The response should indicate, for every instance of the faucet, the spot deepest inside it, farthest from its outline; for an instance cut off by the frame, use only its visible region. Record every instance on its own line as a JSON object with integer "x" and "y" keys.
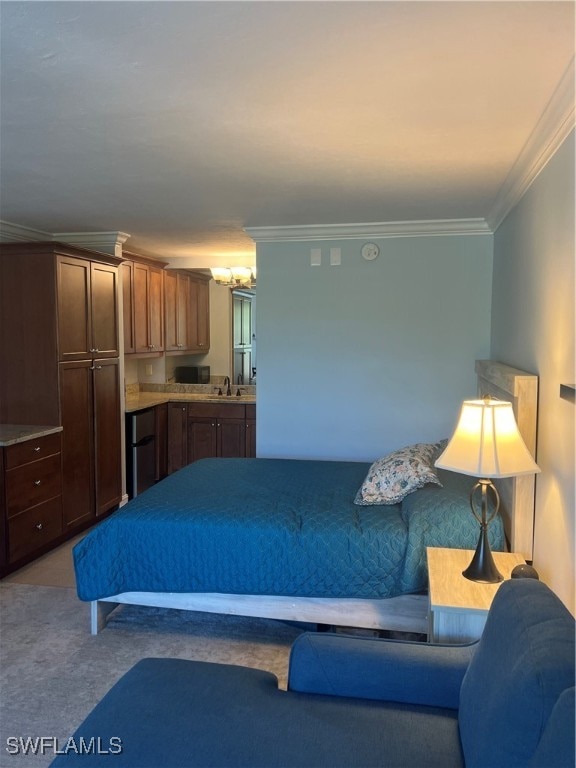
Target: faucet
{"x": 227, "y": 385}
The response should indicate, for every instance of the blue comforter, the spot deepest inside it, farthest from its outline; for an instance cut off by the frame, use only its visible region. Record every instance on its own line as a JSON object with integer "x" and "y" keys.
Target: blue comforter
{"x": 273, "y": 527}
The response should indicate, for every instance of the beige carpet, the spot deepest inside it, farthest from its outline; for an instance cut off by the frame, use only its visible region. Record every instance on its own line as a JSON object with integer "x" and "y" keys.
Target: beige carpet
{"x": 52, "y": 671}
{"x": 54, "y": 569}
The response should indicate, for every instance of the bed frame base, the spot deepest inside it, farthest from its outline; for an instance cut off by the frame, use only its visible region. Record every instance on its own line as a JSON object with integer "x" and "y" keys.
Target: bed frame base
{"x": 406, "y": 613}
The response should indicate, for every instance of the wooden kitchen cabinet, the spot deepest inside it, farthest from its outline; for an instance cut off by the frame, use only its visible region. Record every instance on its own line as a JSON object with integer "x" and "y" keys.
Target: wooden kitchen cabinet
{"x": 251, "y": 431}
{"x": 161, "y": 419}
{"x": 65, "y": 300}
{"x": 91, "y": 456}
{"x": 144, "y": 309}
{"x": 87, "y": 309}
{"x": 216, "y": 430}
{"x": 199, "y": 320}
{"x": 209, "y": 430}
{"x": 126, "y": 279}
{"x": 177, "y": 442}
{"x": 31, "y": 499}
{"x": 177, "y": 311}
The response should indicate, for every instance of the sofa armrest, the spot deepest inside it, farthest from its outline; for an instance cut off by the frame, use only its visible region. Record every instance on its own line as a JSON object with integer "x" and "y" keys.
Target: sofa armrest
{"x": 384, "y": 670}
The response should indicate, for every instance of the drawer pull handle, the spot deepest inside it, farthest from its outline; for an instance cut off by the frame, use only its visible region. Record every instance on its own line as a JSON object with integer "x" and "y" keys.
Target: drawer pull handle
{"x": 37, "y": 482}
{"x": 39, "y": 526}
{"x": 36, "y": 449}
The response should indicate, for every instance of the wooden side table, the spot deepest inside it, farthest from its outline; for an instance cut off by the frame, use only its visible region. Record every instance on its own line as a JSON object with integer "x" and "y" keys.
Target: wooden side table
{"x": 458, "y": 607}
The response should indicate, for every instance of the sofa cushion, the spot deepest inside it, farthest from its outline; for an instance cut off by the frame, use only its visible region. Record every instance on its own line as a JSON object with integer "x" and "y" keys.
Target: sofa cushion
{"x": 190, "y": 714}
{"x": 523, "y": 662}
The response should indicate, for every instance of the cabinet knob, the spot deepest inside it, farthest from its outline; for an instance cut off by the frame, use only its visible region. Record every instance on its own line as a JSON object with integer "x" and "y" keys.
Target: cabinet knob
{"x": 37, "y": 482}
{"x": 39, "y": 526}
{"x": 36, "y": 449}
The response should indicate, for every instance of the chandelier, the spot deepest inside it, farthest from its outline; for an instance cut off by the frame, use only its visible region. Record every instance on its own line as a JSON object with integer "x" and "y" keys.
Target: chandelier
{"x": 235, "y": 277}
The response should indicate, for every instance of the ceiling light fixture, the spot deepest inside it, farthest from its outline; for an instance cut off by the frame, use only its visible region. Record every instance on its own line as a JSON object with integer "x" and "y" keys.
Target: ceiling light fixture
{"x": 235, "y": 277}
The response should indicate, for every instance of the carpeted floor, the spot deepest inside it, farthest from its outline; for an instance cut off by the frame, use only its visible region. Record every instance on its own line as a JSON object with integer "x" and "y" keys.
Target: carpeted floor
{"x": 53, "y": 671}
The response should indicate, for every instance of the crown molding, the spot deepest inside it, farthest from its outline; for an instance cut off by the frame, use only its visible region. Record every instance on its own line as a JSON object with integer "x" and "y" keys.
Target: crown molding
{"x": 553, "y": 127}
{"x": 424, "y": 228}
{"x": 105, "y": 242}
{"x": 14, "y": 233}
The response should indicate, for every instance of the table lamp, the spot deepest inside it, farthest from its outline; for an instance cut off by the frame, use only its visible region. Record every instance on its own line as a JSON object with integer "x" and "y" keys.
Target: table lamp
{"x": 486, "y": 444}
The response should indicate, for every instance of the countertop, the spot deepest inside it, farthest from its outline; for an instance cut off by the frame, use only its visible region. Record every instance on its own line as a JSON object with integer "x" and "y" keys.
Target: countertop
{"x": 10, "y": 434}
{"x": 150, "y": 399}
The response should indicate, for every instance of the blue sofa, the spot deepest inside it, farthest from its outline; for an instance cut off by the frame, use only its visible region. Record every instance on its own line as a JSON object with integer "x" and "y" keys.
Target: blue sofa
{"x": 505, "y": 701}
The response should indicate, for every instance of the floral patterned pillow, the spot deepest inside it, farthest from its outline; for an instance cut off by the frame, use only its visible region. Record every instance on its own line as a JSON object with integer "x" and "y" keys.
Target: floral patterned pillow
{"x": 394, "y": 476}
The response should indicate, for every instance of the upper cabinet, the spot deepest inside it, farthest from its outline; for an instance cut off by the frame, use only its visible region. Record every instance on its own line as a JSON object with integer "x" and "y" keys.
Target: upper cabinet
{"x": 187, "y": 312}
{"x": 199, "y": 340}
{"x": 87, "y": 309}
{"x": 143, "y": 293}
{"x": 165, "y": 310}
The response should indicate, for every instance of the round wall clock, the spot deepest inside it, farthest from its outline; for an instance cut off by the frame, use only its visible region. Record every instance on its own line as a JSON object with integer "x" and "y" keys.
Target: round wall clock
{"x": 370, "y": 251}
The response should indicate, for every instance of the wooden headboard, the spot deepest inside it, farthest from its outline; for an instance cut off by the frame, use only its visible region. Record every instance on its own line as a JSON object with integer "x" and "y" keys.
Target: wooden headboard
{"x": 517, "y": 494}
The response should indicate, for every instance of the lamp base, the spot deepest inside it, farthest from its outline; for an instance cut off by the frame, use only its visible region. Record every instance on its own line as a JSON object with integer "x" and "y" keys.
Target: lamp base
{"x": 482, "y": 567}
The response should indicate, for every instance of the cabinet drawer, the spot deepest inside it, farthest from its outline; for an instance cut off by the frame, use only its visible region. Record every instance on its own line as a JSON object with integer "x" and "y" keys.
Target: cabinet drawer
{"x": 33, "y": 483}
{"x": 33, "y": 528}
{"x": 217, "y": 411}
{"x": 32, "y": 450}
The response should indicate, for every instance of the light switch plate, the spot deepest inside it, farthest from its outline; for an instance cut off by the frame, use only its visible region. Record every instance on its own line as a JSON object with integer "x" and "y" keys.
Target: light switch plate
{"x": 335, "y": 257}
{"x": 315, "y": 257}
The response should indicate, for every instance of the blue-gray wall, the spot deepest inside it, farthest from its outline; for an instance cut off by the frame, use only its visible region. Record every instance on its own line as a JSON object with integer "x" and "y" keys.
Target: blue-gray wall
{"x": 358, "y": 359}
{"x": 533, "y": 329}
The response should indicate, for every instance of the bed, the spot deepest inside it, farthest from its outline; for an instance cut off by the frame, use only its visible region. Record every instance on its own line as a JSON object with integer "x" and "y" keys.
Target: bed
{"x": 283, "y": 538}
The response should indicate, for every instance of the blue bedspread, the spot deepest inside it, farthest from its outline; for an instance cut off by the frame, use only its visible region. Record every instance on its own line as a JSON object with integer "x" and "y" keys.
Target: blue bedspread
{"x": 273, "y": 527}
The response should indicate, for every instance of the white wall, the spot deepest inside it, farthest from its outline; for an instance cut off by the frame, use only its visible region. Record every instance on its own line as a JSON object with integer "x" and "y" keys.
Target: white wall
{"x": 358, "y": 359}
{"x": 533, "y": 329}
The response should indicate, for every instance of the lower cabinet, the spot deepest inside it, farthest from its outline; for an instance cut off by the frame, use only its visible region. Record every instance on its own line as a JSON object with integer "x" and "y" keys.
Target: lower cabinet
{"x": 216, "y": 430}
{"x": 177, "y": 454}
{"x": 208, "y": 430}
{"x": 31, "y": 499}
{"x": 91, "y": 448}
{"x": 251, "y": 431}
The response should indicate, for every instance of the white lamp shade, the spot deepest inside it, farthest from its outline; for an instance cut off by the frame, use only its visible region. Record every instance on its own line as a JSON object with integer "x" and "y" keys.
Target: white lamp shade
{"x": 487, "y": 443}
{"x": 222, "y": 275}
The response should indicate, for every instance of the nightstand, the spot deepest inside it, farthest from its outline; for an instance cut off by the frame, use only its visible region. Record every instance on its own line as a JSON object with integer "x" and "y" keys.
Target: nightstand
{"x": 458, "y": 607}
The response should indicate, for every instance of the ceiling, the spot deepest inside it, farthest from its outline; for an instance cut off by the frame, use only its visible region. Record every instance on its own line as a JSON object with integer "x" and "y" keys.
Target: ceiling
{"x": 181, "y": 123}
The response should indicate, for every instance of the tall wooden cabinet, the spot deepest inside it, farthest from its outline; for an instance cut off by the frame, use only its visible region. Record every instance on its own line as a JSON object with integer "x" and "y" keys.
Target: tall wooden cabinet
{"x": 59, "y": 352}
{"x": 143, "y": 298}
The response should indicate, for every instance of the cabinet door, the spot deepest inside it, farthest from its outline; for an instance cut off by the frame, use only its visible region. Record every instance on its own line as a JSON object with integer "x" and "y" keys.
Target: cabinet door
{"x": 161, "y": 415}
{"x": 76, "y": 399}
{"x": 231, "y": 438}
{"x": 171, "y": 312}
{"x": 104, "y": 304}
{"x": 202, "y": 439}
{"x": 156, "y": 308}
{"x": 126, "y": 271}
{"x": 250, "y": 438}
{"x": 74, "y": 315}
{"x": 141, "y": 302}
{"x": 177, "y": 442}
{"x": 107, "y": 445}
{"x": 199, "y": 322}
{"x": 183, "y": 311}
{"x": 203, "y": 311}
